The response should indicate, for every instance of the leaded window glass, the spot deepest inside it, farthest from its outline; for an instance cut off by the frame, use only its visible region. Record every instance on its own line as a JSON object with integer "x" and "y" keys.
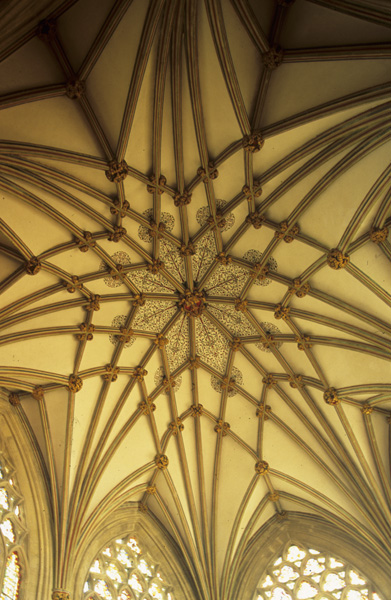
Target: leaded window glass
{"x": 302, "y": 573}
{"x": 12, "y": 532}
{"x": 123, "y": 571}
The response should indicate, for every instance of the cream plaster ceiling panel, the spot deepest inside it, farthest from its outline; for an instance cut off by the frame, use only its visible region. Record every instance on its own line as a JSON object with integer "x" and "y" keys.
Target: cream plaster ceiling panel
{"x": 195, "y": 316}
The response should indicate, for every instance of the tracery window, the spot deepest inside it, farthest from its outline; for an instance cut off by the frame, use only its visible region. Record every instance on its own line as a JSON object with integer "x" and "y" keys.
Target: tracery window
{"x": 302, "y": 573}
{"x": 12, "y": 532}
{"x": 122, "y": 571}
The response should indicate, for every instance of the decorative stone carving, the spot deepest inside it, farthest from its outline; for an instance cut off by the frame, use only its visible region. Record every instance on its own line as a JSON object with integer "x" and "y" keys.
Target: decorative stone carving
{"x": 73, "y": 285}
{"x": 94, "y": 303}
{"x": 117, "y": 234}
{"x": 147, "y": 406}
{"x": 253, "y": 142}
{"x": 300, "y": 290}
{"x": 111, "y": 373}
{"x": 255, "y": 220}
{"x": 223, "y": 258}
{"x": 269, "y": 380}
{"x": 273, "y": 58}
{"x": 222, "y": 427}
{"x": 143, "y": 508}
{"x": 218, "y": 220}
{"x": 156, "y": 266}
{"x": 196, "y": 410}
{"x": 259, "y": 273}
{"x": 75, "y": 88}
{"x": 274, "y": 497}
{"x": 263, "y": 411}
{"x": 286, "y": 232}
{"x": 240, "y": 305}
{"x": 378, "y": 235}
{"x": 14, "y": 399}
{"x": 296, "y": 381}
{"x": 168, "y": 383}
{"x": 75, "y": 383}
{"x": 61, "y": 595}
{"x": 161, "y": 341}
{"x": 138, "y": 300}
{"x": 156, "y": 186}
{"x": 337, "y": 259}
{"x": 33, "y": 266}
{"x": 139, "y": 373}
{"x": 304, "y": 342}
{"x": 86, "y": 243}
{"x": 236, "y": 344}
{"x": 366, "y": 409}
{"x": 155, "y": 230}
{"x": 188, "y": 250}
{"x": 330, "y": 396}
{"x": 176, "y": 426}
{"x": 87, "y": 331}
{"x": 210, "y": 173}
{"x": 117, "y": 209}
{"x": 38, "y": 393}
{"x": 281, "y": 312}
{"x": 192, "y": 303}
{"x": 161, "y": 461}
{"x": 117, "y": 171}
{"x": 47, "y": 30}
{"x": 194, "y": 363}
{"x": 151, "y": 489}
{"x": 182, "y": 199}
{"x": 251, "y": 193}
{"x": 262, "y": 467}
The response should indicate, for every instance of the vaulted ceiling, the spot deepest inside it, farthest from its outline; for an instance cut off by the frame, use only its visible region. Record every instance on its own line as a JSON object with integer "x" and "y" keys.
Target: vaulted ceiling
{"x": 195, "y": 309}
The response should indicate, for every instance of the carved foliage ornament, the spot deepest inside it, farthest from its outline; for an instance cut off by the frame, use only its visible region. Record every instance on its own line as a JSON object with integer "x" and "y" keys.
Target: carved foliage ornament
{"x": 337, "y": 259}
{"x": 87, "y": 331}
{"x": 73, "y": 285}
{"x": 192, "y": 303}
{"x": 86, "y": 243}
{"x": 182, "y": 199}
{"x": 60, "y": 595}
{"x": 255, "y": 220}
{"x": 75, "y": 88}
{"x": 378, "y": 235}
{"x": 253, "y": 142}
{"x": 156, "y": 266}
{"x": 117, "y": 171}
{"x": 117, "y": 209}
{"x": 117, "y": 233}
{"x": 330, "y": 396}
{"x": 222, "y": 427}
{"x": 281, "y": 312}
{"x": 161, "y": 461}
{"x": 75, "y": 383}
{"x": 273, "y": 58}
{"x": 188, "y": 250}
{"x": 209, "y": 173}
{"x": 154, "y": 185}
{"x": 33, "y": 266}
{"x": 262, "y": 467}
{"x": 196, "y": 410}
{"x": 286, "y": 232}
{"x": 146, "y": 406}
{"x": 13, "y": 399}
{"x": 176, "y": 426}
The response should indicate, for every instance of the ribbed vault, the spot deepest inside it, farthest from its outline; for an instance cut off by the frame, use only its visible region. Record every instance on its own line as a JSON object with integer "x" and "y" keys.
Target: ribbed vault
{"x": 196, "y": 268}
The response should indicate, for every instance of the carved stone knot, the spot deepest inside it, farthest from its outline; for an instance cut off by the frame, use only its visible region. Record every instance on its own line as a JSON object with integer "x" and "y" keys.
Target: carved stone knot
{"x": 161, "y": 461}
{"x": 255, "y": 220}
{"x": 262, "y": 467}
{"x": 86, "y": 243}
{"x": 196, "y": 410}
{"x": 217, "y": 220}
{"x": 223, "y": 258}
{"x": 194, "y": 363}
{"x": 206, "y": 174}
{"x": 273, "y": 58}
{"x": 117, "y": 233}
{"x": 260, "y": 273}
{"x": 87, "y": 331}
{"x": 143, "y": 508}
{"x": 161, "y": 341}
{"x": 263, "y": 410}
{"x": 14, "y": 399}
{"x": 268, "y": 342}
{"x": 222, "y": 427}
{"x": 151, "y": 489}
{"x": 61, "y": 595}
{"x": 156, "y": 266}
{"x": 286, "y": 232}
{"x": 75, "y": 88}
{"x": 274, "y": 497}
{"x": 126, "y": 335}
{"x": 111, "y": 373}
{"x": 240, "y": 305}
{"x": 94, "y": 303}
{"x": 269, "y": 380}
{"x": 253, "y": 142}
{"x": 182, "y": 199}
{"x": 139, "y": 373}
{"x": 300, "y": 290}
{"x": 138, "y": 300}
{"x": 117, "y": 209}
{"x": 147, "y": 406}
{"x": 330, "y": 396}
{"x": 155, "y": 230}
{"x": 73, "y": 285}
{"x": 251, "y": 193}
{"x": 38, "y": 393}
{"x": 378, "y": 235}
{"x": 176, "y": 426}
{"x": 366, "y": 409}
{"x": 296, "y": 381}
{"x": 281, "y": 312}
{"x": 227, "y": 383}
{"x": 33, "y": 266}
{"x": 47, "y": 30}
{"x": 75, "y": 383}
{"x": 156, "y": 186}
{"x": 117, "y": 171}
{"x": 236, "y": 344}
{"x": 192, "y": 303}
{"x": 168, "y": 383}
{"x": 188, "y": 250}
{"x": 304, "y": 342}
{"x": 337, "y": 259}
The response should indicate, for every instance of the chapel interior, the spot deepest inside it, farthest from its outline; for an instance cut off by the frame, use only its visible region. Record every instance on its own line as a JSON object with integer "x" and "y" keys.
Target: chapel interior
{"x": 195, "y": 277}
